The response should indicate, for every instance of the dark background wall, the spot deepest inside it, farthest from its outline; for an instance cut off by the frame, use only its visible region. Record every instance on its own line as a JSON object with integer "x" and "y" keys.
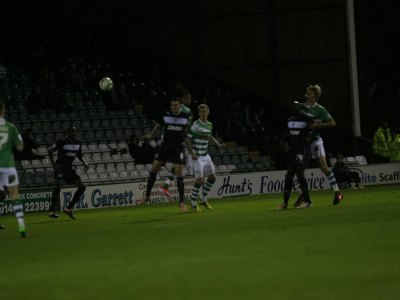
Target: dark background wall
{"x": 273, "y": 48}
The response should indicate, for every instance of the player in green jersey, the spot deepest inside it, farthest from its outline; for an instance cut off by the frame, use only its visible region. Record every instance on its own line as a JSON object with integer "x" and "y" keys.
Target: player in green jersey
{"x": 200, "y": 133}
{"x": 322, "y": 119}
{"x": 10, "y": 137}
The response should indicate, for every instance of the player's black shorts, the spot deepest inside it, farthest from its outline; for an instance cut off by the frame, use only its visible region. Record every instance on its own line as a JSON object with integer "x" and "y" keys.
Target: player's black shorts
{"x": 298, "y": 159}
{"x": 68, "y": 175}
{"x": 172, "y": 153}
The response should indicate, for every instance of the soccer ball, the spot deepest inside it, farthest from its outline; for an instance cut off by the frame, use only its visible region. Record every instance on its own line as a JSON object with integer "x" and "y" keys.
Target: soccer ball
{"x": 106, "y": 84}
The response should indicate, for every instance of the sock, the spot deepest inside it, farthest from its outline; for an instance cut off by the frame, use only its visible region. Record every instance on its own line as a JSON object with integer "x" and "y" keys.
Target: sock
{"x": 195, "y": 194}
{"x": 206, "y": 188}
{"x": 332, "y": 181}
{"x": 55, "y": 200}
{"x": 304, "y": 189}
{"x": 181, "y": 189}
{"x": 2, "y": 198}
{"x": 79, "y": 192}
{"x": 168, "y": 182}
{"x": 150, "y": 183}
{"x": 287, "y": 189}
{"x": 19, "y": 214}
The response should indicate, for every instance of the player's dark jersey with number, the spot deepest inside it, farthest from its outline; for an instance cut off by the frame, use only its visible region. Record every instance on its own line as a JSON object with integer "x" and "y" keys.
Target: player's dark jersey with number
{"x": 299, "y": 137}
{"x": 175, "y": 132}
{"x": 67, "y": 151}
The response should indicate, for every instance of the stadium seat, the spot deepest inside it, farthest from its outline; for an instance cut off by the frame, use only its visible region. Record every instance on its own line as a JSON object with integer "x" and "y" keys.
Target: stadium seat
{"x": 226, "y": 159}
{"x": 100, "y": 168}
{"x": 103, "y": 147}
{"x": 217, "y": 160}
{"x": 125, "y": 123}
{"x": 86, "y": 124}
{"x": 140, "y": 167}
{"x": 116, "y": 157}
{"x": 104, "y": 177}
{"x": 232, "y": 149}
{"x": 120, "y": 167}
{"x": 87, "y": 157}
{"x": 47, "y": 126}
{"x": 241, "y": 167}
{"x": 361, "y": 159}
{"x": 350, "y": 160}
{"x": 135, "y": 175}
{"x": 106, "y": 156}
{"x": 36, "y": 162}
{"x": 222, "y": 169}
{"x": 114, "y": 176}
{"x": 96, "y": 124}
{"x": 236, "y": 159}
{"x": 122, "y": 145}
{"x": 92, "y": 147}
{"x": 242, "y": 149}
{"x": 96, "y": 157}
{"x": 99, "y": 135}
{"x": 109, "y": 135}
{"x": 232, "y": 168}
{"x": 90, "y": 136}
{"x": 124, "y": 175}
{"x": 128, "y": 132}
{"x": 46, "y": 162}
{"x": 84, "y": 177}
{"x": 58, "y": 135}
{"x": 245, "y": 158}
{"x": 93, "y": 178}
{"x": 144, "y": 173}
{"x": 115, "y": 123}
{"x": 126, "y": 157}
{"x": 110, "y": 167}
{"x": 26, "y": 164}
{"x": 130, "y": 166}
{"x": 84, "y": 148}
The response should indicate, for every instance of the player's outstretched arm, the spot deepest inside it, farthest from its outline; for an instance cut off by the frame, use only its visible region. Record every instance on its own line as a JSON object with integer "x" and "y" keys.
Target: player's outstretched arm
{"x": 152, "y": 132}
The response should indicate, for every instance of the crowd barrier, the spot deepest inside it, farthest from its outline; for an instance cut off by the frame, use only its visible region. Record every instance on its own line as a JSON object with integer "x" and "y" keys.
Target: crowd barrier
{"x": 227, "y": 185}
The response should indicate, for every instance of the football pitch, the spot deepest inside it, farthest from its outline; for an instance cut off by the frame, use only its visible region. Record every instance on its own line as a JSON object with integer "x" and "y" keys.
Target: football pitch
{"x": 243, "y": 249}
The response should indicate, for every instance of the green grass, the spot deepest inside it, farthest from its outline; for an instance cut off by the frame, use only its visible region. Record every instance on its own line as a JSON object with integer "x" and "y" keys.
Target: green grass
{"x": 243, "y": 249}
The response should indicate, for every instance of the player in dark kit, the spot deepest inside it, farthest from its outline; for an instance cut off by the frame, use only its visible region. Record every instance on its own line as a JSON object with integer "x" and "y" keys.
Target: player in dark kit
{"x": 67, "y": 148}
{"x": 175, "y": 125}
{"x": 297, "y": 144}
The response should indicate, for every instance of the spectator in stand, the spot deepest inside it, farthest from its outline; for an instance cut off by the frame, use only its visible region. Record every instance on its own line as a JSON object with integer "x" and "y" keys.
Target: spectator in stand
{"x": 381, "y": 140}
{"x": 345, "y": 177}
{"x": 122, "y": 95}
{"x": 133, "y": 147}
{"x": 394, "y": 145}
{"x": 29, "y": 145}
{"x": 54, "y": 98}
{"x": 146, "y": 151}
{"x": 35, "y": 101}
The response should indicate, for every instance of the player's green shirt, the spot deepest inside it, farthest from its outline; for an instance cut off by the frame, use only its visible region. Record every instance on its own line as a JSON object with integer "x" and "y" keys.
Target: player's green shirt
{"x": 199, "y": 134}
{"x": 320, "y": 115}
{"x": 9, "y": 136}
{"x": 188, "y": 111}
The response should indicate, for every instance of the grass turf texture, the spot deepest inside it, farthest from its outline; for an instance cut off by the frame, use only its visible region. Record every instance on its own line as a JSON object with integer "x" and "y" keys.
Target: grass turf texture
{"x": 243, "y": 249}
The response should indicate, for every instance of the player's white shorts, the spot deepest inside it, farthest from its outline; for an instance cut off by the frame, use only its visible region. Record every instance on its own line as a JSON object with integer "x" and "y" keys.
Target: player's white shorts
{"x": 8, "y": 177}
{"x": 203, "y": 166}
{"x": 317, "y": 148}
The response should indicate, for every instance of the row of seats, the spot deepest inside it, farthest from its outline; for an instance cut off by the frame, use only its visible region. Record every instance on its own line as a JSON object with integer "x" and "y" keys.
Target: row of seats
{"x": 359, "y": 160}
{"x": 96, "y": 123}
{"x": 92, "y": 135}
{"x": 102, "y": 174}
